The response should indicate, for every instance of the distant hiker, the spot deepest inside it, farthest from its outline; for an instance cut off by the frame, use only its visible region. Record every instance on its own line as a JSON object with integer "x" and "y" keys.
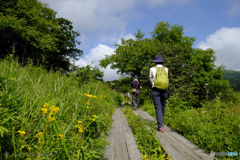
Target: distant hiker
{"x": 159, "y": 89}
{"x": 128, "y": 95}
{"x": 125, "y": 95}
{"x": 135, "y": 88}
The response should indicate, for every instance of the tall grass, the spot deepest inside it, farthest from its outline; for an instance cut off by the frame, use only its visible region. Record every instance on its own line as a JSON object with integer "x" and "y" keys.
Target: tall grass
{"x": 145, "y": 134}
{"x": 46, "y": 115}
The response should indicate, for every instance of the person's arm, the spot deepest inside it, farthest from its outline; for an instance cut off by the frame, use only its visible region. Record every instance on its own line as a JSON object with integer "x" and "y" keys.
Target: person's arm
{"x": 131, "y": 85}
{"x": 151, "y": 76}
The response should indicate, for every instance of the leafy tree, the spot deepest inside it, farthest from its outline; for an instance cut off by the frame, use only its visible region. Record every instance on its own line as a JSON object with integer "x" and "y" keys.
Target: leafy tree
{"x": 234, "y": 79}
{"x": 86, "y": 74}
{"x": 30, "y": 29}
{"x": 192, "y": 72}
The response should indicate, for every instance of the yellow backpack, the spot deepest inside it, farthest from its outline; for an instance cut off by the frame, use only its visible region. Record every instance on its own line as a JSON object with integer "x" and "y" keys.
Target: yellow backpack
{"x": 161, "y": 80}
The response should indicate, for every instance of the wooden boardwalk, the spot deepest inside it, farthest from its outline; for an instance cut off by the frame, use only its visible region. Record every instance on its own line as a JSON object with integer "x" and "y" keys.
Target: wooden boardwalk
{"x": 123, "y": 145}
{"x": 177, "y": 146}
{"x": 122, "y": 142}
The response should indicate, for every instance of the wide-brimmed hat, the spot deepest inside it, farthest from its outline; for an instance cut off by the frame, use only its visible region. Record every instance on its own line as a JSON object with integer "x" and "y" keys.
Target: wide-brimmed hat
{"x": 136, "y": 77}
{"x": 158, "y": 58}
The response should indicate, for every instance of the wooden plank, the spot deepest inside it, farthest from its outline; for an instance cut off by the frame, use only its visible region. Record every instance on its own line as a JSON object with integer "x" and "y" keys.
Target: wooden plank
{"x": 181, "y": 148}
{"x": 177, "y": 146}
{"x": 133, "y": 151}
{"x": 120, "y": 151}
{"x": 109, "y": 148}
{"x": 145, "y": 115}
{"x": 122, "y": 142}
{"x": 190, "y": 145}
{"x": 170, "y": 149}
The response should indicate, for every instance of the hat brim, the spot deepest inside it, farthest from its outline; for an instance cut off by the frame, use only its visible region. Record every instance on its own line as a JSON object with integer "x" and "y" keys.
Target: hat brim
{"x": 157, "y": 61}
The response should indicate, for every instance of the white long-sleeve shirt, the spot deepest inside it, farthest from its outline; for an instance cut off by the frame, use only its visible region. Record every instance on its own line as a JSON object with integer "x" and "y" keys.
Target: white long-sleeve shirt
{"x": 152, "y": 73}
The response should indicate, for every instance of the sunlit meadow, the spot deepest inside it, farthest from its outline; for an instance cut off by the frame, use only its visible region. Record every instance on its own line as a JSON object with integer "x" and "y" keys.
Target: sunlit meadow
{"x": 46, "y": 115}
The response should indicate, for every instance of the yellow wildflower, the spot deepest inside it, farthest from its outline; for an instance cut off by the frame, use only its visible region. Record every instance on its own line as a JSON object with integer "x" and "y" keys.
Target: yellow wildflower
{"x": 40, "y": 134}
{"x": 87, "y": 107}
{"x": 95, "y": 116}
{"x": 89, "y": 96}
{"x": 44, "y": 110}
{"x": 90, "y": 118}
{"x": 79, "y": 126}
{"x": 79, "y": 121}
{"x": 54, "y": 109}
{"x": 84, "y": 94}
{"x": 93, "y": 119}
{"x": 51, "y": 118}
{"x": 22, "y": 133}
{"x": 80, "y": 130}
{"x": 45, "y": 105}
{"x": 94, "y": 96}
{"x": 60, "y": 135}
{"x": 88, "y": 103}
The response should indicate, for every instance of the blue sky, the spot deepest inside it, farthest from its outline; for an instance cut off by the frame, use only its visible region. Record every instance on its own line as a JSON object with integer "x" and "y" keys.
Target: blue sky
{"x": 102, "y": 23}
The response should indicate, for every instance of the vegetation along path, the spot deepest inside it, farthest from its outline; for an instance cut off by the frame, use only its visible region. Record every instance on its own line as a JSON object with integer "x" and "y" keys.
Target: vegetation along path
{"x": 123, "y": 145}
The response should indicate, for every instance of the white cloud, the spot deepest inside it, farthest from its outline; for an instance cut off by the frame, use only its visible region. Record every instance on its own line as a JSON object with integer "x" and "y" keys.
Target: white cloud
{"x": 97, "y": 54}
{"x": 155, "y": 3}
{"x": 102, "y": 18}
{"x": 91, "y": 15}
{"x": 128, "y": 36}
{"x": 226, "y": 43}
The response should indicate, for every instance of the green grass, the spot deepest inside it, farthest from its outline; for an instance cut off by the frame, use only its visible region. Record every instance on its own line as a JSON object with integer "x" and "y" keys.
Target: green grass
{"x": 145, "y": 134}
{"x": 213, "y": 127}
{"x": 24, "y": 91}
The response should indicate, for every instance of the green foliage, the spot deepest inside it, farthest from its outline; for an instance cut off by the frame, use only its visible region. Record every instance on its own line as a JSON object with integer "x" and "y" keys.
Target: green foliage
{"x": 29, "y": 29}
{"x": 192, "y": 73}
{"x": 234, "y": 79}
{"x": 86, "y": 74}
{"x": 145, "y": 135}
{"x": 73, "y": 119}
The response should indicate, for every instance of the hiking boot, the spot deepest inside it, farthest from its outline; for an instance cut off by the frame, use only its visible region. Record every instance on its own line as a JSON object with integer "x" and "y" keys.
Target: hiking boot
{"x": 161, "y": 129}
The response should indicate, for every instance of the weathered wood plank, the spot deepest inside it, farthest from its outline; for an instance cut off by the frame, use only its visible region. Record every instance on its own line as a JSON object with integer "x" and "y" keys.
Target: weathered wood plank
{"x": 177, "y": 146}
{"x": 190, "y": 145}
{"x": 180, "y": 147}
{"x": 133, "y": 152}
{"x": 122, "y": 142}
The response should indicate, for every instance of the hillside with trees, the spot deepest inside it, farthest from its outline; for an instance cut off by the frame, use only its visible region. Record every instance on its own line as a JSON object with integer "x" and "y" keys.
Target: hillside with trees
{"x": 234, "y": 79}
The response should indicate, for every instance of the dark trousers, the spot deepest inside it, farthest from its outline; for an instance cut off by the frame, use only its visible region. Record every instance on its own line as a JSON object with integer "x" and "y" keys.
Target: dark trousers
{"x": 135, "y": 98}
{"x": 159, "y": 98}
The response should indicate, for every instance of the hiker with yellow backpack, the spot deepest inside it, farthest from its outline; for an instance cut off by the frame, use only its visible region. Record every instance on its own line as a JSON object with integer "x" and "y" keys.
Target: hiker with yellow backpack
{"x": 159, "y": 80}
